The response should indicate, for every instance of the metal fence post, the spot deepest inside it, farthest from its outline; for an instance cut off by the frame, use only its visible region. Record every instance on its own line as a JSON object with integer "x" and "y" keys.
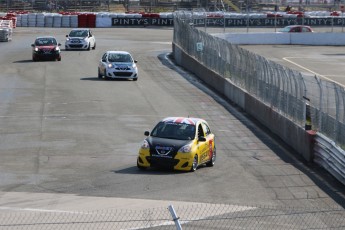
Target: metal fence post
{"x": 175, "y": 218}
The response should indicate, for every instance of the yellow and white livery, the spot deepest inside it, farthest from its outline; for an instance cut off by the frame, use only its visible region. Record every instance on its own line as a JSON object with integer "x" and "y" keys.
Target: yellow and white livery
{"x": 178, "y": 143}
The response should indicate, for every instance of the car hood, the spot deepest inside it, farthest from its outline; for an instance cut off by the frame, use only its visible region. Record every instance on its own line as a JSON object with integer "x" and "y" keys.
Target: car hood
{"x": 45, "y": 47}
{"x": 122, "y": 63}
{"x": 77, "y": 38}
{"x": 163, "y": 142}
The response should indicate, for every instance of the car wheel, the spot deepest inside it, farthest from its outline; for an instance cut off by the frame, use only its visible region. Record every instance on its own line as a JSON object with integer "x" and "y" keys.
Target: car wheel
{"x": 195, "y": 163}
{"x": 94, "y": 46}
{"x": 99, "y": 74}
{"x": 89, "y": 47}
{"x": 213, "y": 159}
{"x": 140, "y": 167}
{"x": 135, "y": 79}
{"x": 59, "y": 59}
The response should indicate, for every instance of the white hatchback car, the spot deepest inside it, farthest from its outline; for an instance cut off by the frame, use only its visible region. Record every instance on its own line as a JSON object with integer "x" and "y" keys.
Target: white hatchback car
{"x": 81, "y": 39}
{"x": 118, "y": 64}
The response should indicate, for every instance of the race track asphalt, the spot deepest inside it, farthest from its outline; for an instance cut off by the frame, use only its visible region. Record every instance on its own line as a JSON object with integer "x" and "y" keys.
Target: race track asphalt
{"x": 69, "y": 141}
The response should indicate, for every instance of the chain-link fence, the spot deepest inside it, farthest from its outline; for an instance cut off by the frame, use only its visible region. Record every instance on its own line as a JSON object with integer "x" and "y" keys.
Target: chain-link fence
{"x": 198, "y": 217}
{"x": 284, "y": 90}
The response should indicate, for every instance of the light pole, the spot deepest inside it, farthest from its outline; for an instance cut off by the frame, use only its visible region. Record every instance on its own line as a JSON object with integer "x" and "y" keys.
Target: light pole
{"x": 241, "y": 2}
{"x": 247, "y": 10}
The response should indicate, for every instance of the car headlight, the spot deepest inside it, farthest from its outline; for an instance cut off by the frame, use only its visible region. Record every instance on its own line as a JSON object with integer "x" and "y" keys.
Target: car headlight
{"x": 110, "y": 65}
{"x": 145, "y": 145}
{"x": 185, "y": 149}
{"x": 67, "y": 39}
{"x": 36, "y": 49}
{"x": 57, "y": 48}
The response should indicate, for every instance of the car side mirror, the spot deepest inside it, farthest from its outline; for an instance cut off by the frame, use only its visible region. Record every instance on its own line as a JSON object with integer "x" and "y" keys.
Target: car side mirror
{"x": 59, "y": 44}
{"x": 201, "y": 139}
{"x": 32, "y": 45}
{"x": 67, "y": 36}
{"x": 135, "y": 61}
{"x": 146, "y": 133}
{"x": 103, "y": 60}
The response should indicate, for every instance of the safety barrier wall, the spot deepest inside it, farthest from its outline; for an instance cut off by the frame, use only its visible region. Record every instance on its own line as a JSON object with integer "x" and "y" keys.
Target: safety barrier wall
{"x": 269, "y": 92}
{"x": 324, "y": 39}
{"x": 88, "y": 19}
{"x": 210, "y": 19}
{"x": 330, "y": 156}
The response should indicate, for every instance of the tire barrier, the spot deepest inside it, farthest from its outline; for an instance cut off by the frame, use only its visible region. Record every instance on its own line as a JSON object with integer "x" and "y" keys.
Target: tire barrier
{"x": 6, "y": 30}
{"x": 211, "y": 19}
{"x": 9, "y": 16}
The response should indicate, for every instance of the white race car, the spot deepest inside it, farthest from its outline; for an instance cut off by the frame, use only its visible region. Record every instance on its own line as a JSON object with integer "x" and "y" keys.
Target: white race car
{"x": 81, "y": 39}
{"x": 118, "y": 64}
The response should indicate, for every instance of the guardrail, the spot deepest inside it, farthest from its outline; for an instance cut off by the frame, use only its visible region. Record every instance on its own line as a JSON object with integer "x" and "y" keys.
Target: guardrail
{"x": 330, "y": 156}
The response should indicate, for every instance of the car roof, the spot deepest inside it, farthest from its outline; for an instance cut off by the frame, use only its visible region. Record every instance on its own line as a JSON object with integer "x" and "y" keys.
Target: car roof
{"x": 184, "y": 120}
{"x": 45, "y": 37}
{"x": 297, "y": 26}
{"x": 80, "y": 29}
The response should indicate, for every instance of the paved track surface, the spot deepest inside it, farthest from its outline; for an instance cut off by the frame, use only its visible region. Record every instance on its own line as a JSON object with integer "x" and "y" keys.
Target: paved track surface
{"x": 324, "y": 61}
{"x": 69, "y": 141}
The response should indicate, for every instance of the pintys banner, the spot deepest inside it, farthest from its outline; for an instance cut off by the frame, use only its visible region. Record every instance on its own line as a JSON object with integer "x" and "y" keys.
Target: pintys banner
{"x": 142, "y": 21}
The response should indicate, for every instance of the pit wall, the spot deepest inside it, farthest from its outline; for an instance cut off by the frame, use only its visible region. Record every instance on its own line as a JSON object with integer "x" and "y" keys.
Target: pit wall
{"x": 320, "y": 39}
{"x": 296, "y": 137}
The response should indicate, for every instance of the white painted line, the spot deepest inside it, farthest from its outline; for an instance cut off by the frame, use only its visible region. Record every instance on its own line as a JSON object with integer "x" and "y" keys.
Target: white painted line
{"x": 300, "y": 66}
{"x": 309, "y": 70}
{"x": 39, "y": 210}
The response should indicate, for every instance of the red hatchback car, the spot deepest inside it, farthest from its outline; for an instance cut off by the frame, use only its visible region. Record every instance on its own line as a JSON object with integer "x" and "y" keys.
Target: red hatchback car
{"x": 296, "y": 29}
{"x": 46, "y": 48}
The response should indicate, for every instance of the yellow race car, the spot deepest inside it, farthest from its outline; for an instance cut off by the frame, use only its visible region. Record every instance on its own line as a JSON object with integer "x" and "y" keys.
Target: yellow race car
{"x": 178, "y": 143}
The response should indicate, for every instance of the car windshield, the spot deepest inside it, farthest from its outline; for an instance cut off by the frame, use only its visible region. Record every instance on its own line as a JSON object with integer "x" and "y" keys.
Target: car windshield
{"x": 119, "y": 57}
{"x": 285, "y": 29}
{"x": 78, "y": 33}
{"x": 45, "y": 42}
{"x": 171, "y": 130}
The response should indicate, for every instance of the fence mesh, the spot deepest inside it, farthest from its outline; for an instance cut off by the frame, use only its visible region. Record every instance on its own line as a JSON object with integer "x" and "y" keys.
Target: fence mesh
{"x": 198, "y": 217}
{"x": 283, "y": 89}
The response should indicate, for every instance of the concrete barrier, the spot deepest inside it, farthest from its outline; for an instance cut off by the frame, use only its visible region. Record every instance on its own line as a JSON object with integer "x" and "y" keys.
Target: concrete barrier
{"x": 323, "y": 39}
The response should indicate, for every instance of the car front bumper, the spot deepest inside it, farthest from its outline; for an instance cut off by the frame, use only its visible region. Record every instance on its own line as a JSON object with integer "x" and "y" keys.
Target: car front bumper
{"x": 81, "y": 45}
{"x": 46, "y": 56}
{"x": 181, "y": 161}
{"x": 125, "y": 74}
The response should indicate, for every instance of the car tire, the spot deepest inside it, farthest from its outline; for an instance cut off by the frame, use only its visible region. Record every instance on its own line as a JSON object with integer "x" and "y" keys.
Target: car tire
{"x": 89, "y": 47}
{"x": 59, "y": 59}
{"x": 141, "y": 167}
{"x": 100, "y": 76}
{"x": 94, "y": 46}
{"x": 195, "y": 163}
{"x": 213, "y": 159}
{"x": 135, "y": 79}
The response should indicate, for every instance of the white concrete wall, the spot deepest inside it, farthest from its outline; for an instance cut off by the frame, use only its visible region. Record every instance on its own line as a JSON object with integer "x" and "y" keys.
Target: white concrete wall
{"x": 323, "y": 39}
